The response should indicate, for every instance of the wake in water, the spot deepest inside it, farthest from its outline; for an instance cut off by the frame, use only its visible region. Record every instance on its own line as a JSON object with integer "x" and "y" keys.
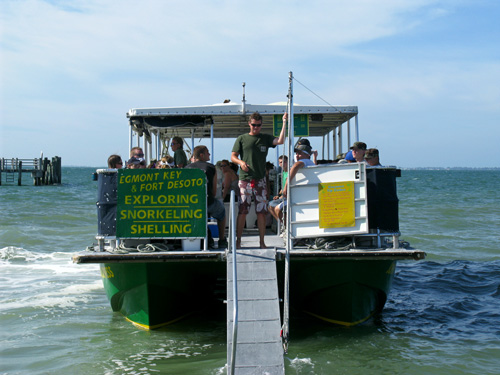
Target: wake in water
{"x": 16, "y": 254}
{"x": 38, "y": 280}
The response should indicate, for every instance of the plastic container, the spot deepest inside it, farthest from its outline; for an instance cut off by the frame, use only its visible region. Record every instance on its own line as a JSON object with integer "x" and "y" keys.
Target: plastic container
{"x": 214, "y": 229}
{"x": 191, "y": 245}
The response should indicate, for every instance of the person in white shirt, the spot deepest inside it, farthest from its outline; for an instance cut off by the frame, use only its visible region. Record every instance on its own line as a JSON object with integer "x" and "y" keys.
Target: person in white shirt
{"x": 372, "y": 158}
{"x": 303, "y": 156}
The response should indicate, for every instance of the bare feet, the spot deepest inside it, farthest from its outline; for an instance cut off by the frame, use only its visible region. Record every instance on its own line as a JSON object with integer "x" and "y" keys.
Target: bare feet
{"x": 238, "y": 244}
{"x": 263, "y": 245}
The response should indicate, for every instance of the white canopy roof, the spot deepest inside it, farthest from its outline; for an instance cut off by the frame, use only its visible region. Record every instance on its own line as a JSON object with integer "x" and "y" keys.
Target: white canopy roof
{"x": 231, "y": 119}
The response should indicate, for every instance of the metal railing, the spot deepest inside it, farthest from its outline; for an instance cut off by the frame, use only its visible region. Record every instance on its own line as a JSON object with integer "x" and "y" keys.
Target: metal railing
{"x": 232, "y": 248}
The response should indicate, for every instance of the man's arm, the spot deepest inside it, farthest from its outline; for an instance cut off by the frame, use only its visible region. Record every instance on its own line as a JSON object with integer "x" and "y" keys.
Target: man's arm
{"x": 315, "y": 157}
{"x": 235, "y": 159}
{"x": 281, "y": 139}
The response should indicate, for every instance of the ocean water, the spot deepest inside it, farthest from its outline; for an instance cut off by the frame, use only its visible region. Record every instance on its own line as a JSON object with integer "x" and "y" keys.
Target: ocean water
{"x": 442, "y": 316}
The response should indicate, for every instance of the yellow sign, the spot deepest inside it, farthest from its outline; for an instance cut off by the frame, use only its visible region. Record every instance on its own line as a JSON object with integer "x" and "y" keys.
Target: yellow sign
{"x": 336, "y": 204}
{"x": 161, "y": 203}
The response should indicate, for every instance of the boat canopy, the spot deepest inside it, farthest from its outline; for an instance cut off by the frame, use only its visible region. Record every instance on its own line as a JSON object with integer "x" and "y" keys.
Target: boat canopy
{"x": 230, "y": 120}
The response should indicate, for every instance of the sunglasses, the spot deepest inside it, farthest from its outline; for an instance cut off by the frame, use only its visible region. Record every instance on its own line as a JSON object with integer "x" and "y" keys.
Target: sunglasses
{"x": 256, "y": 124}
{"x": 139, "y": 155}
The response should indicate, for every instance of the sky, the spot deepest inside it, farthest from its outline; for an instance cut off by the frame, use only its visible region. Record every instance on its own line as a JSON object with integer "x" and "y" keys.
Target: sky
{"x": 425, "y": 74}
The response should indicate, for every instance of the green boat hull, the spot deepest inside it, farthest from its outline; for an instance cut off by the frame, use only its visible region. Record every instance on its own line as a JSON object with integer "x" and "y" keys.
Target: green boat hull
{"x": 344, "y": 292}
{"x": 151, "y": 295}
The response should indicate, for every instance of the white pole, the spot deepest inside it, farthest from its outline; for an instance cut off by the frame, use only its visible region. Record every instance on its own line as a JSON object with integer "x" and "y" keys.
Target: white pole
{"x": 328, "y": 146}
{"x": 349, "y": 133}
{"x": 212, "y": 141}
{"x": 334, "y": 139}
{"x": 130, "y": 140}
{"x": 357, "y": 129}
{"x": 341, "y": 148}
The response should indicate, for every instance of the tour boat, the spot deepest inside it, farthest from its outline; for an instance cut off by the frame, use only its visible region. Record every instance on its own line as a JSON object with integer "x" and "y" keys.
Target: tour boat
{"x": 335, "y": 260}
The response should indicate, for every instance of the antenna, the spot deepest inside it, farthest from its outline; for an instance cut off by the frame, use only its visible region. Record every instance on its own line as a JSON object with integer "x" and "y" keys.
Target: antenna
{"x": 243, "y": 101}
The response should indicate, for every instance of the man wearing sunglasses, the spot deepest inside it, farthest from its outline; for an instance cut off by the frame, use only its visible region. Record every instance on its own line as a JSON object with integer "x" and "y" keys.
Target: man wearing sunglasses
{"x": 180, "y": 158}
{"x": 136, "y": 152}
{"x": 250, "y": 153}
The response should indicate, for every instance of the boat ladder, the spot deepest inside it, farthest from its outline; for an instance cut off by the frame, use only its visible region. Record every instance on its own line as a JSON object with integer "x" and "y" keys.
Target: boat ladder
{"x": 254, "y": 345}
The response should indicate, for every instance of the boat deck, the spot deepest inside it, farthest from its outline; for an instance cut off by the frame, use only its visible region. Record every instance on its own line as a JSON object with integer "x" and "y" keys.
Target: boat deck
{"x": 250, "y": 240}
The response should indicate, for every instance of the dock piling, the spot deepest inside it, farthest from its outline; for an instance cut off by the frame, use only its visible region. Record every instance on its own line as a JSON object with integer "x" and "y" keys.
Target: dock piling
{"x": 43, "y": 171}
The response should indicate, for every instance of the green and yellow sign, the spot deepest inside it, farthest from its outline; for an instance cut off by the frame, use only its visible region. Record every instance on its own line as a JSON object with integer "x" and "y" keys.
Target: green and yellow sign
{"x": 336, "y": 204}
{"x": 300, "y": 125}
{"x": 161, "y": 203}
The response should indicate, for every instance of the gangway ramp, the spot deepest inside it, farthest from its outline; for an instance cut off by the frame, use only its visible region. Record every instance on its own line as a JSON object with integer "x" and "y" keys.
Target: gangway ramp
{"x": 259, "y": 348}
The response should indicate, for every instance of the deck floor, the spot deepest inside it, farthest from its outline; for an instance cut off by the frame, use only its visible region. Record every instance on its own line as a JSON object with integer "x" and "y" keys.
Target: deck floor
{"x": 250, "y": 239}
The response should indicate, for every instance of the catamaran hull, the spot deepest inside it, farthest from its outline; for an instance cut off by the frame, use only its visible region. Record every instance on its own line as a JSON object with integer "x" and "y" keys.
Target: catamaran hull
{"x": 344, "y": 292}
{"x": 151, "y": 295}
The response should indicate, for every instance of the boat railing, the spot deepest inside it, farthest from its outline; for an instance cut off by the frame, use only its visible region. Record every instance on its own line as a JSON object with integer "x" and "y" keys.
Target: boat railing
{"x": 232, "y": 248}
{"x": 379, "y": 235}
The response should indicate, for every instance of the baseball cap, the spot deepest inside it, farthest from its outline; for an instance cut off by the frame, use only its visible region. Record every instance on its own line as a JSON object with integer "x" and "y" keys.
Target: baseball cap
{"x": 349, "y": 156}
{"x": 371, "y": 153}
{"x": 304, "y": 141}
{"x": 304, "y": 148}
{"x": 359, "y": 145}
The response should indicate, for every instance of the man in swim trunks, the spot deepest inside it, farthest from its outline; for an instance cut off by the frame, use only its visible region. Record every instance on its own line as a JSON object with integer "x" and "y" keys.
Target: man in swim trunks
{"x": 250, "y": 153}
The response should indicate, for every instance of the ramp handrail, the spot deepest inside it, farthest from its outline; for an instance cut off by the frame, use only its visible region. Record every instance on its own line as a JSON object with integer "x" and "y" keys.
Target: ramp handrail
{"x": 232, "y": 248}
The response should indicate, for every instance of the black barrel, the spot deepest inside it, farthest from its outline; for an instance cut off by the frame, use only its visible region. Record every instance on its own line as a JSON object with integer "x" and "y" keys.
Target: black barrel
{"x": 383, "y": 202}
{"x": 106, "y": 202}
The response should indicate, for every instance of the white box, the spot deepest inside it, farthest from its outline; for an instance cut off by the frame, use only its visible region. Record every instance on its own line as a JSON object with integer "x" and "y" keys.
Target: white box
{"x": 191, "y": 245}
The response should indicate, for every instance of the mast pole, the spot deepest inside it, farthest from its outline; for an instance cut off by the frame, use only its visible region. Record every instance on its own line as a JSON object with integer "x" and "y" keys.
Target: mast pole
{"x": 290, "y": 156}
{"x": 243, "y": 102}
{"x": 286, "y": 300}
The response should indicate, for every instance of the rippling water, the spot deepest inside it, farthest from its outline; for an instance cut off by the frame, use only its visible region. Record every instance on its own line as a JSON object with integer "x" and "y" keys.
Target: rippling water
{"x": 442, "y": 316}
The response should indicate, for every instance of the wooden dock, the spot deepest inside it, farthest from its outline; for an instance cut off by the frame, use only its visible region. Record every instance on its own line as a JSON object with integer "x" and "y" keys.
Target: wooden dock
{"x": 43, "y": 171}
{"x": 259, "y": 347}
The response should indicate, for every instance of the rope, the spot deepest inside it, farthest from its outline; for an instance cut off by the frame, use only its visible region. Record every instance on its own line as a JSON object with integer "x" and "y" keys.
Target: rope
{"x": 337, "y": 244}
{"x": 141, "y": 248}
{"x": 312, "y": 92}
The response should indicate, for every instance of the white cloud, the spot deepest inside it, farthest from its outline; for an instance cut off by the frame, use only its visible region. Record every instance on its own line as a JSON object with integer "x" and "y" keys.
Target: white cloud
{"x": 70, "y": 70}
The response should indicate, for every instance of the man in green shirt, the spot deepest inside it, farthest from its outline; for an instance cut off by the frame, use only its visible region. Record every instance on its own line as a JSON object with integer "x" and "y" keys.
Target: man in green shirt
{"x": 283, "y": 161}
{"x": 250, "y": 153}
{"x": 180, "y": 158}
